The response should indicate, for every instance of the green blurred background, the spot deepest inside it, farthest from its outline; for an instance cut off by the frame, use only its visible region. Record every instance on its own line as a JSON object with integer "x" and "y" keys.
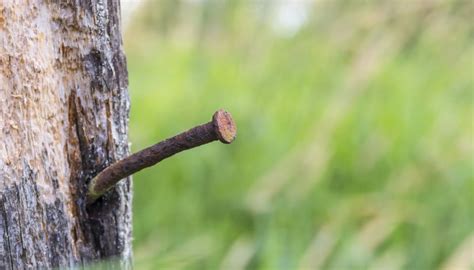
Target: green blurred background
{"x": 355, "y": 134}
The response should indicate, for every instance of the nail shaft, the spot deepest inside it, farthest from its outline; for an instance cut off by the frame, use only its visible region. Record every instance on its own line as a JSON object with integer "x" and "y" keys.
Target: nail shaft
{"x": 222, "y": 128}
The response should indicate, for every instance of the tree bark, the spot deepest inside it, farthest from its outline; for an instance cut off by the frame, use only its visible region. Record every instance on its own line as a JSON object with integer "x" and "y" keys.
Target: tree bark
{"x": 63, "y": 118}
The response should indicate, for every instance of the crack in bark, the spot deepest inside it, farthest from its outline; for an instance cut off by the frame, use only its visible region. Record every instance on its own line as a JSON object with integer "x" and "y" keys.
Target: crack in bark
{"x": 6, "y": 233}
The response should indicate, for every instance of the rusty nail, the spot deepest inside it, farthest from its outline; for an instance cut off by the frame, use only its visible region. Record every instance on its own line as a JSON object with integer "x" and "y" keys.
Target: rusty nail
{"x": 222, "y": 128}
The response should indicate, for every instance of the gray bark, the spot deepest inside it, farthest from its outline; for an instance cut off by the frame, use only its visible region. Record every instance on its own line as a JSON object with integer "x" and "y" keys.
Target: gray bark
{"x": 63, "y": 118}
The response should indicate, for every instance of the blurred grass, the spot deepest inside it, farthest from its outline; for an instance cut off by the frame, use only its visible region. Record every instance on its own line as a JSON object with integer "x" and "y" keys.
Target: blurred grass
{"x": 355, "y": 141}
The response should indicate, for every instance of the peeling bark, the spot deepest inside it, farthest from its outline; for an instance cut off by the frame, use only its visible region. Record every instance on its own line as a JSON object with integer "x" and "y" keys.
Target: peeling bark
{"x": 63, "y": 118}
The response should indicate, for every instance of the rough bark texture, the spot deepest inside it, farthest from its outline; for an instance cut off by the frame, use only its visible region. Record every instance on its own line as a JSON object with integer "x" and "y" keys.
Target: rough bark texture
{"x": 63, "y": 118}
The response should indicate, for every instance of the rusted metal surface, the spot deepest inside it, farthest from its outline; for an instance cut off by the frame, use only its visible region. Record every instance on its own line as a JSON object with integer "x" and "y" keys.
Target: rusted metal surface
{"x": 222, "y": 128}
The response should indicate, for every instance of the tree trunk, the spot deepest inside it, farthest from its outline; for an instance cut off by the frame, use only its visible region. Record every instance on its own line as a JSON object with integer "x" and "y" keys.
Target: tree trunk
{"x": 63, "y": 118}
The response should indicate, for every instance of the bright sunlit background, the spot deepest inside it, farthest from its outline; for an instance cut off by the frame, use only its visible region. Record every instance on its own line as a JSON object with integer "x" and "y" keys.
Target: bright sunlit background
{"x": 355, "y": 133}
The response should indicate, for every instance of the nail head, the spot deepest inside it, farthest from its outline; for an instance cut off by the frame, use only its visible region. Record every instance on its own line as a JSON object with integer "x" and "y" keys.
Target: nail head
{"x": 224, "y": 126}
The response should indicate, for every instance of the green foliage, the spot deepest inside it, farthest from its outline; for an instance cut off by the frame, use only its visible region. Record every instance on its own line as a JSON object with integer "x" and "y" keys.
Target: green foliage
{"x": 355, "y": 138}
